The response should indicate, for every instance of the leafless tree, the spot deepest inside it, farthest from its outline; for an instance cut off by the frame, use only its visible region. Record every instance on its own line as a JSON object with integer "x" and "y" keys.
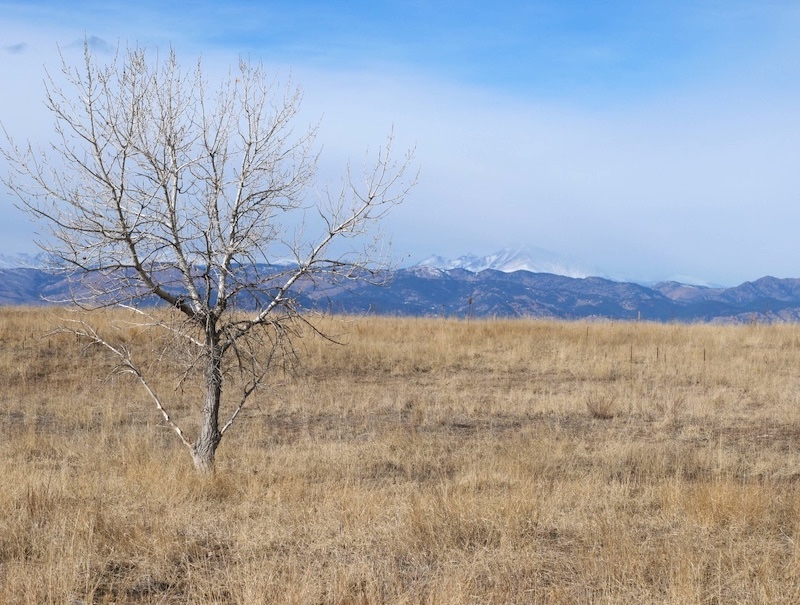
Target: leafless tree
{"x": 160, "y": 186}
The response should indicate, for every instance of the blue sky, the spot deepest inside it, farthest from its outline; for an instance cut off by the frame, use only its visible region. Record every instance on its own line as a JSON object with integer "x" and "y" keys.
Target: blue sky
{"x": 652, "y": 140}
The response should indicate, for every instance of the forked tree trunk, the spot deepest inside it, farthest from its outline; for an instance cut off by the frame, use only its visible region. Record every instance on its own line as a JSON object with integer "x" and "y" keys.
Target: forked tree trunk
{"x": 205, "y": 447}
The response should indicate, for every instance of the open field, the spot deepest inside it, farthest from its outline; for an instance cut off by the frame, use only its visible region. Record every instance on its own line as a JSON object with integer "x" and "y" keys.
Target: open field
{"x": 427, "y": 461}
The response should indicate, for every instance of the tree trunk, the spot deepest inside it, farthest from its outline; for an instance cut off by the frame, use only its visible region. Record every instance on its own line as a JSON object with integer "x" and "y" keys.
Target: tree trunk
{"x": 205, "y": 446}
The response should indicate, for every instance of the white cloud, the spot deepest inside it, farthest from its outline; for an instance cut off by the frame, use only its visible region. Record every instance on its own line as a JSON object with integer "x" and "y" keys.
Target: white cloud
{"x": 697, "y": 180}
{"x": 704, "y": 182}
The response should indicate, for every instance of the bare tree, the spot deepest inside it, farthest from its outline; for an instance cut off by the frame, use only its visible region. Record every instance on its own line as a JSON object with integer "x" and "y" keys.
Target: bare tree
{"x": 159, "y": 186}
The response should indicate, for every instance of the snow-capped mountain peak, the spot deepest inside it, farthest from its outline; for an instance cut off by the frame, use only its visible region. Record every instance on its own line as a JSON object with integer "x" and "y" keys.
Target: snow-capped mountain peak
{"x": 22, "y": 261}
{"x": 510, "y": 259}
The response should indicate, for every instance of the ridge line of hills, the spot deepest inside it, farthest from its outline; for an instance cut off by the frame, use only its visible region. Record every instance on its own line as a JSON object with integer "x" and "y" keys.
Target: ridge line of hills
{"x": 428, "y": 291}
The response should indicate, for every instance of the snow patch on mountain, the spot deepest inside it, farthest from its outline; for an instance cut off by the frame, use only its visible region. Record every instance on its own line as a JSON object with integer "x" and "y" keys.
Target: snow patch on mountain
{"x": 22, "y": 261}
{"x": 426, "y": 271}
{"x": 509, "y": 259}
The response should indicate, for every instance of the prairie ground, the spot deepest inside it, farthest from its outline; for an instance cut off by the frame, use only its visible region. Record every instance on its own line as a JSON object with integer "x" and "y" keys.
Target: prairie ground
{"x": 423, "y": 461}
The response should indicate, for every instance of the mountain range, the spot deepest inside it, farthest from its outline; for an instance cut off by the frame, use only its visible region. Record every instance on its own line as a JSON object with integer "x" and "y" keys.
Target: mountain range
{"x": 472, "y": 286}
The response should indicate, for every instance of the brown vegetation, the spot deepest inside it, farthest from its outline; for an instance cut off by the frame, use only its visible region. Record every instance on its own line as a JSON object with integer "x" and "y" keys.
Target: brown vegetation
{"x": 427, "y": 461}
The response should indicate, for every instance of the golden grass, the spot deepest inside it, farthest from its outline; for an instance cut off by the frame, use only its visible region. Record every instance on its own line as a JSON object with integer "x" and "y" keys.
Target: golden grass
{"x": 427, "y": 461}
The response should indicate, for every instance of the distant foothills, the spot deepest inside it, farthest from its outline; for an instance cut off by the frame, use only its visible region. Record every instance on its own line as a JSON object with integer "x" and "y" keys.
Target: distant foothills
{"x": 511, "y": 283}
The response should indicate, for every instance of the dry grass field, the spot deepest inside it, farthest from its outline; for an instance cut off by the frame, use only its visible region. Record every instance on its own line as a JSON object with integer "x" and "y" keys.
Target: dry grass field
{"x": 427, "y": 461}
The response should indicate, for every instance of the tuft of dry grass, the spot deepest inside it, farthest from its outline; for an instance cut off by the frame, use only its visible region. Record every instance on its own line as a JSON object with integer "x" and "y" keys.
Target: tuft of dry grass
{"x": 427, "y": 461}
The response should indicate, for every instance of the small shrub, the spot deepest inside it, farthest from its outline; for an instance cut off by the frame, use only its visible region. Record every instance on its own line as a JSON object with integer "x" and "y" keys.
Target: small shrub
{"x": 601, "y": 406}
